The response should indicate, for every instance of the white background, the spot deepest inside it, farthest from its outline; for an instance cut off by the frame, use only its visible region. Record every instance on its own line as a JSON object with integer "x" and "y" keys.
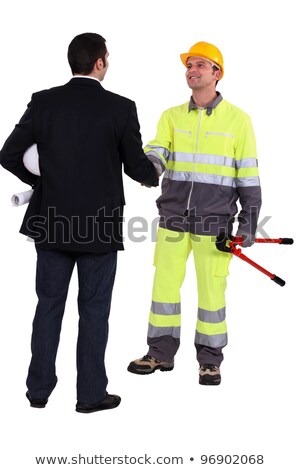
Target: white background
{"x": 256, "y": 409}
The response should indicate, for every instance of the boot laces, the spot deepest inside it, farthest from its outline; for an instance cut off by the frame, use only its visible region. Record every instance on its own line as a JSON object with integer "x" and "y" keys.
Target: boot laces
{"x": 148, "y": 358}
{"x": 211, "y": 367}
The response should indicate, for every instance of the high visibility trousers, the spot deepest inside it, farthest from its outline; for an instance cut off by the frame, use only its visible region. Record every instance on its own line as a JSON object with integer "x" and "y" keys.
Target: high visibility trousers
{"x": 171, "y": 253}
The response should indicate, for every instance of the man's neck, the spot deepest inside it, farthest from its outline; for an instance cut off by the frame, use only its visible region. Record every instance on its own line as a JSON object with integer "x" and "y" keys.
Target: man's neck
{"x": 92, "y": 76}
{"x": 204, "y": 98}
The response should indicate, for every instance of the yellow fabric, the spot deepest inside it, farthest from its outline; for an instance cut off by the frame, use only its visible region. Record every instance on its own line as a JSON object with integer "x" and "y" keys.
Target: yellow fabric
{"x": 204, "y": 168}
{"x": 246, "y": 172}
{"x": 226, "y": 132}
{"x": 211, "y": 328}
{"x": 164, "y": 320}
{"x": 171, "y": 254}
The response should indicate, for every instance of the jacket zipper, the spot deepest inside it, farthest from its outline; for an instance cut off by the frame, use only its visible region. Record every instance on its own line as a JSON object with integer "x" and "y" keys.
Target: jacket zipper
{"x": 194, "y": 160}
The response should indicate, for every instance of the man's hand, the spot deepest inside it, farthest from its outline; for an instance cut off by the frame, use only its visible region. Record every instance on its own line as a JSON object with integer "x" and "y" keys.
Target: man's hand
{"x": 248, "y": 238}
{"x": 157, "y": 180}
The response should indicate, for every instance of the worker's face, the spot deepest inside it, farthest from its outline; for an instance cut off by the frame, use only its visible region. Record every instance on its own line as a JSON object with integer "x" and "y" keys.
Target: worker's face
{"x": 200, "y": 74}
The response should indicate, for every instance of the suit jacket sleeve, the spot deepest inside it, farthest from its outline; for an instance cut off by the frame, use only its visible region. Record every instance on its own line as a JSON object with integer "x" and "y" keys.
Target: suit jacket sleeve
{"x": 11, "y": 155}
{"x": 136, "y": 164}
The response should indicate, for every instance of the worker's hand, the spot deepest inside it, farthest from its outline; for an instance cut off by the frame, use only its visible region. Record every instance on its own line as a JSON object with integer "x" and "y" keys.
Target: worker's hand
{"x": 248, "y": 238}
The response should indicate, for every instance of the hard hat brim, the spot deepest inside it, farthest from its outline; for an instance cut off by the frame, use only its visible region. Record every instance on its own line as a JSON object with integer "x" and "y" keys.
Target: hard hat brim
{"x": 184, "y": 57}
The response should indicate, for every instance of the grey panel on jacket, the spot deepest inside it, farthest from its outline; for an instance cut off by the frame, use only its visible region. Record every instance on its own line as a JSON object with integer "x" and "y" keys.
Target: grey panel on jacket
{"x": 214, "y": 205}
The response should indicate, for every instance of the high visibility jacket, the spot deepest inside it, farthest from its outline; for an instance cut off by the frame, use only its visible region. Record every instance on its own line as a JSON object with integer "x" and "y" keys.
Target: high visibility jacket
{"x": 209, "y": 161}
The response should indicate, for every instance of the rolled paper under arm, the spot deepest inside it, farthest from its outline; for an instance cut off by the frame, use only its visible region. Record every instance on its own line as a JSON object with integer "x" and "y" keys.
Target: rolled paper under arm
{"x": 21, "y": 198}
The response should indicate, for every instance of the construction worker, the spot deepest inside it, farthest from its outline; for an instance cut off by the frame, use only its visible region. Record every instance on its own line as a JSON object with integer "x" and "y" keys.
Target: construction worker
{"x": 207, "y": 151}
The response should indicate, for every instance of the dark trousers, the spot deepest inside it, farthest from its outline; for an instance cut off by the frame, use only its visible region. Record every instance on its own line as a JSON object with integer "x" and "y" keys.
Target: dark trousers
{"x": 96, "y": 274}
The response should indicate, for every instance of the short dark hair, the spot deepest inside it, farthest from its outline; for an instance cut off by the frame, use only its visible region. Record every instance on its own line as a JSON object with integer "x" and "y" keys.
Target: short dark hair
{"x": 84, "y": 50}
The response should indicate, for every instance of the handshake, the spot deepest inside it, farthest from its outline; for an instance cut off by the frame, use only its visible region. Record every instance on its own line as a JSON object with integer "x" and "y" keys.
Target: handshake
{"x": 31, "y": 162}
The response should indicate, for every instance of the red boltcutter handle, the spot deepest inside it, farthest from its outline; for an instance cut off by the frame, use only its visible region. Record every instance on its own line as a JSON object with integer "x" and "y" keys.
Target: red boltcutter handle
{"x": 229, "y": 244}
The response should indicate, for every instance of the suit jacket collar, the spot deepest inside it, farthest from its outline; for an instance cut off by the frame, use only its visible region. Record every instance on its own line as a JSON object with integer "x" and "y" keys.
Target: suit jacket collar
{"x": 84, "y": 82}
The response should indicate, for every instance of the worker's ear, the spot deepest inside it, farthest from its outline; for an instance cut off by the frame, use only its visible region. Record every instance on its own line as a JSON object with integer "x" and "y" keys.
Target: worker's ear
{"x": 218, "y": 74}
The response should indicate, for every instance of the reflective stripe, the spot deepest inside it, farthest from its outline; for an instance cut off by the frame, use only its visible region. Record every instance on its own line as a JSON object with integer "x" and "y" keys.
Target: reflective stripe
{"x": 201, "y": 178}
{"x": 211, "y": 317}
{"x": 202, "y": 158}
{"x": 211, "y": 329}
{"x": 207, "y": 168}
{"x": 158, "y": 156}
{"x": 183, "y": 131}
{"x": 246, "y": 163}
{"x": 218, "y": 133}
{"x": 215, "y": 341}
{"x": 162, "y": 152}
{"x": 157, "y": 162}
{"x": 244, "y": 182}
{"x": 164, "y": 320}
{"x": 154, "y": 332}
{"x": 160, "y": 308}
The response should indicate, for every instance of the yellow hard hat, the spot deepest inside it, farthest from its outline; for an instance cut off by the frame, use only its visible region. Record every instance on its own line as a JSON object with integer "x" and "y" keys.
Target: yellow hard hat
{"x": 207, "y": 51}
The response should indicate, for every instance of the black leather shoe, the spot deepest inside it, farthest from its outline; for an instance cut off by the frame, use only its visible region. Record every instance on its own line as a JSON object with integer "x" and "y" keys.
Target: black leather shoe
{"x": 37, "y": 402}
{"x": 108, "y": 402}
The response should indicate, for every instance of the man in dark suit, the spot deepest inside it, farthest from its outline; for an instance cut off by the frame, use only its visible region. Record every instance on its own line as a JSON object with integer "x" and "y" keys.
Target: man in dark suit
{"x": 84, "y": 135}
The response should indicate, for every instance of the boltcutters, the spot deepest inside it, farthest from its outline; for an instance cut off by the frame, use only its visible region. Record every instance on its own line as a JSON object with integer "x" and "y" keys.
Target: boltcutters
{"x": 229, "y": 244}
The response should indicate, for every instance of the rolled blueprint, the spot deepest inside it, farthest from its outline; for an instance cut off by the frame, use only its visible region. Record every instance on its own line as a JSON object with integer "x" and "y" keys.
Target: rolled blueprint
{"x": 21, "y": 198}
{"x": 31, "y": 162}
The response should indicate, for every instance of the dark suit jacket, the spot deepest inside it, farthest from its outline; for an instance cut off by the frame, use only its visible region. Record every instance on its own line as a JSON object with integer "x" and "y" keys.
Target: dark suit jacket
{"x": 84, "y": 136}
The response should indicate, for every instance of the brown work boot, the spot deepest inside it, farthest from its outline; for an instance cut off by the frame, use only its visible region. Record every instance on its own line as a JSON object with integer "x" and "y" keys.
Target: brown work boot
{"x": 209, "y": 375}
{"x": 148, "y": 365}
